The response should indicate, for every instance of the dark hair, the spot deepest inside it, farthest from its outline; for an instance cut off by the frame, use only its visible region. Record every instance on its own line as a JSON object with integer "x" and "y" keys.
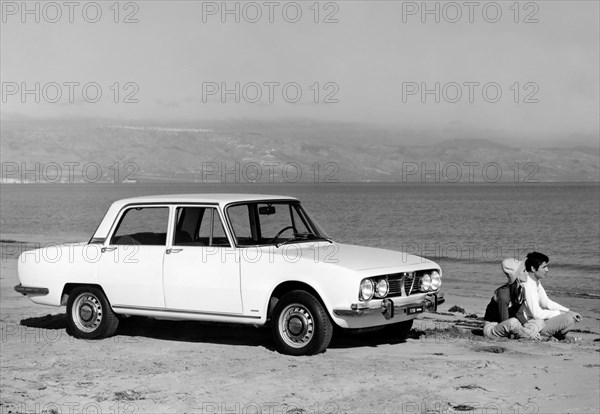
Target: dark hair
{"x": 534, "y": 260}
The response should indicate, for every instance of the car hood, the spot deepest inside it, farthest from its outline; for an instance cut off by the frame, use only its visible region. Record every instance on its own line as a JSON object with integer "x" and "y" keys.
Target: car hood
{"x": 360, "y": 258}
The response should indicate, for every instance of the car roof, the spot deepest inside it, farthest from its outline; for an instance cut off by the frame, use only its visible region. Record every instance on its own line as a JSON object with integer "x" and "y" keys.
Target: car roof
{"x": 209, "y": 198}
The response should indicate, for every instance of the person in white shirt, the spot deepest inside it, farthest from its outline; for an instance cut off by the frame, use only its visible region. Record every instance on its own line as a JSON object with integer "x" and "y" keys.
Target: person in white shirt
{"x": 558, "y": 320}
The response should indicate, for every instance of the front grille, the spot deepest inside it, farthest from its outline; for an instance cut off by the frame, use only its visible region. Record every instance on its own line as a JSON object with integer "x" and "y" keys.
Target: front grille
{"x": 404, "y": 284}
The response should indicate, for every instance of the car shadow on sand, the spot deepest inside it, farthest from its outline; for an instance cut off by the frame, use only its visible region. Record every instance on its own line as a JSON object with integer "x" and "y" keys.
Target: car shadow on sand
{"x": 184, "y": 331}
{"x": 368, "y": 338}
{"x": 219, "y": 333}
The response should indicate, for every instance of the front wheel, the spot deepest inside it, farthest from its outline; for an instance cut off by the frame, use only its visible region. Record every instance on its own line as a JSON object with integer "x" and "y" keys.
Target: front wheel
{"x": 89, "y": 315}
{"x": 300, "y": 324}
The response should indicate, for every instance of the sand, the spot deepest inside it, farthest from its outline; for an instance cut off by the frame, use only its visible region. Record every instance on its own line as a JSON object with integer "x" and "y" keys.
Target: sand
{"x": 155, "y": 366}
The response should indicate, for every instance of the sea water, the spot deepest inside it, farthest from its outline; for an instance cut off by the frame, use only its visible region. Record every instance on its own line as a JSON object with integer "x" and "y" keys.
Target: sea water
{"x": 467, "y": 228}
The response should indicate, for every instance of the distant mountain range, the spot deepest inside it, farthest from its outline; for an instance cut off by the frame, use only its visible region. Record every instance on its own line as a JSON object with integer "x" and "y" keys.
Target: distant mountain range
{"x": 294, "y": 151}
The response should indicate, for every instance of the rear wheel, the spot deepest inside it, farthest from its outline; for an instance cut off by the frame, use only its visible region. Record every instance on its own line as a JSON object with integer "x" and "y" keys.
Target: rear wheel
{"x": 89, "y": 315}
{"x": 300, "y": 324}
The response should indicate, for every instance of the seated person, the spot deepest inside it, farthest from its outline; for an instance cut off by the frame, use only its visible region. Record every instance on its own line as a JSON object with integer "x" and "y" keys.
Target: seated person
{"x": 557, "y": 319}
{"x": 505, "y": 314}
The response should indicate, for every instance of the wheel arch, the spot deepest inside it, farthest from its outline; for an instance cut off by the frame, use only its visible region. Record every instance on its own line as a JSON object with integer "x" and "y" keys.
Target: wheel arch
{"x": 68, "y": 288}
{"x": 289, "y": 286}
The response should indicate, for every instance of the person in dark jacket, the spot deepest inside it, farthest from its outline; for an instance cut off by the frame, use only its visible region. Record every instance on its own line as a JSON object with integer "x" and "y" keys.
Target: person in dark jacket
{"x": 505, "y": 314}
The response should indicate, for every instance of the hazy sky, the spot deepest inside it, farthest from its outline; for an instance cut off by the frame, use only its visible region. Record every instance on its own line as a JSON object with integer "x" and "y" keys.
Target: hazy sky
{"x": 514, "y": 69}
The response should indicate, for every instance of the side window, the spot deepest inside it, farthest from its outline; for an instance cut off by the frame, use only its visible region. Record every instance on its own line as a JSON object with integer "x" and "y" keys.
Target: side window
{"x": 142, "y": 225}
{"x": 271, "y": 224}
{"x": 281, "y": 216}
{"x": 240, "y": 221}
{"x": 199, "y": 226}
{"x": 187, "y": 225}
{"x": 219, "y": 238}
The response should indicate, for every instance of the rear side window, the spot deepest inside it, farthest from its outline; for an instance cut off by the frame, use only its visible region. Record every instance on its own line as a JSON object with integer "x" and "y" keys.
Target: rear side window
{"x": 143, "y": 226}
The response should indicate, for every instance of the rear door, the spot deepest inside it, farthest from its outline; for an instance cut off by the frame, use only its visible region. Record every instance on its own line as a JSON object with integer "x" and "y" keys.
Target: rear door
{"x": 130, "y": 269}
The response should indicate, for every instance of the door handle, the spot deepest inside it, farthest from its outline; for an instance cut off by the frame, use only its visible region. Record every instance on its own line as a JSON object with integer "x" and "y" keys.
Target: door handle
{"x": 107, "y": 249}
{"x": 169, "y": 251}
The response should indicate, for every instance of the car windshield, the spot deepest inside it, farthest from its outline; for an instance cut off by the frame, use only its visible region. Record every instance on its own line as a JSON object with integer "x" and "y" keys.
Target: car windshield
{"x": 276, "y": 222}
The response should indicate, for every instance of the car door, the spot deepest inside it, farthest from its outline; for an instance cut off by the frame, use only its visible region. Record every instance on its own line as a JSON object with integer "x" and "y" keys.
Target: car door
{"x": 130, "y": 269}
{"x": 201, "y": 267}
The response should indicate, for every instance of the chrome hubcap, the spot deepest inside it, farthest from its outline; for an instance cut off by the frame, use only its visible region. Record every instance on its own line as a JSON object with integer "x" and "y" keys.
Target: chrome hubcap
{"x": 87, "y": 312}
{"x": 296, "y": 325}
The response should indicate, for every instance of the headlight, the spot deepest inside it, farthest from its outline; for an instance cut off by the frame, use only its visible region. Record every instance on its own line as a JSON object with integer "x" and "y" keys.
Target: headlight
{"x": 367, "y": 289}
{"x": 382, "y": 288}
{"x": 436, "y": 280}
{"x": 426, "y": 282}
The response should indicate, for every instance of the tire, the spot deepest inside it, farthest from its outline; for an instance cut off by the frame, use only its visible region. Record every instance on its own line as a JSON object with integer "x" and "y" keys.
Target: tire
{"x": 89, "y": 315}
{"x": 399, "y": 331}
{"x": 300, "y": 324}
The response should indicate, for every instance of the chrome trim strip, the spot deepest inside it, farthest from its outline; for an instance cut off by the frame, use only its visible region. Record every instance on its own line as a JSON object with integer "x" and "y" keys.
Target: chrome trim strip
{"x": 144, "y": 308}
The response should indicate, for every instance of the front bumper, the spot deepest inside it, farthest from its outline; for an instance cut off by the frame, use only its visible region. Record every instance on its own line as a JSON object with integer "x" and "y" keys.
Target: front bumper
{"x": 31, "y": 291}
{"x": 388, "y": 308}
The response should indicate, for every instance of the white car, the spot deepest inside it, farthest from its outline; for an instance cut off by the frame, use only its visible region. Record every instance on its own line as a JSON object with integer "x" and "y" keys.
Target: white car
{"x": 238, "y": 258}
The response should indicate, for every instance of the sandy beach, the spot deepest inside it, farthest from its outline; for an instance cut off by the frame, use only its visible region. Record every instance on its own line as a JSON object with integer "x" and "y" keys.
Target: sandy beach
{"x": 158, "y": 366}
